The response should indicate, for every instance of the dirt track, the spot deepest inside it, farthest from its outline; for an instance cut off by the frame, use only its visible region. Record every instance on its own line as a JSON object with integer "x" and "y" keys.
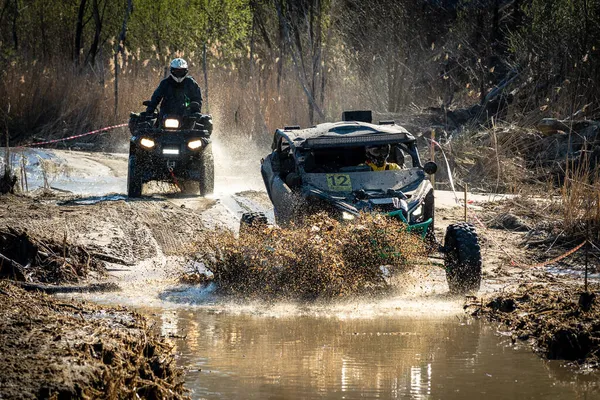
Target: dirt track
{"x": 156, "y": 230}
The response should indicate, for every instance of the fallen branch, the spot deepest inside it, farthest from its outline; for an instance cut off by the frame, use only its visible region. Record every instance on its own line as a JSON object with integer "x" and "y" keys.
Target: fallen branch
{"x": 52, "y": 289}
{"x": 16, "y": 269}
{"x": 111, "y": 259}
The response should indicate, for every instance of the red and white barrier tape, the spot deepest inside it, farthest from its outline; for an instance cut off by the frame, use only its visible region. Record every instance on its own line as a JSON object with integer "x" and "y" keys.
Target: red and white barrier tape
{"x": 108, "y": 128}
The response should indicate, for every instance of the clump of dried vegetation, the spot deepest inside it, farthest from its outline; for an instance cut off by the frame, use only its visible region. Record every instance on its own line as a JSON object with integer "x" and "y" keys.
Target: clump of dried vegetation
{"x": 55, "y": 348}
{"x": 559, "y": 321}
{"x": 27, "y": 258}
{"x": 322, "y": 259}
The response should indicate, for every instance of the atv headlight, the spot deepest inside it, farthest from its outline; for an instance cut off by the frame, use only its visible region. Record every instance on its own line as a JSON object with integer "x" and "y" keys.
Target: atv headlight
{"x": 195, "y": 144}
{"x": 148, "y": 143}
{"x": 347, "y": 216}
{"x": 171, "y": 123}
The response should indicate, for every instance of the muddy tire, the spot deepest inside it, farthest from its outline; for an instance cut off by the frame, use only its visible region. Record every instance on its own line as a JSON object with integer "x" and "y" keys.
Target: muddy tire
{"x": 253, "y": 220}
{"x": 189, "y": 187}
{"x": 429, "y": 212}
{"x": 462, "y": 258}
{"x": 207, "y": 172}
{"x": 134, "y": 180}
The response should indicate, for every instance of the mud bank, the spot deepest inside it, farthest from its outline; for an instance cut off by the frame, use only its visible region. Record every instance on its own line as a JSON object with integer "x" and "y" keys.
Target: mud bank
{"x": 558, "y": 320}
{"x": 56, "y": 348}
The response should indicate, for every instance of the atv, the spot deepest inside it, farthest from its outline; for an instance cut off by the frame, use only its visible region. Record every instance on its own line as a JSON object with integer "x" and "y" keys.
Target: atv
{"x": 171, "y": 148}
{"x": 323, "y": 169}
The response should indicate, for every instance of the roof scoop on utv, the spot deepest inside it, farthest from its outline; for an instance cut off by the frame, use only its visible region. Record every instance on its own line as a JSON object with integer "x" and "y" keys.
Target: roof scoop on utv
{"x": 326, "y": 168}
{"x": 171, "y": 148}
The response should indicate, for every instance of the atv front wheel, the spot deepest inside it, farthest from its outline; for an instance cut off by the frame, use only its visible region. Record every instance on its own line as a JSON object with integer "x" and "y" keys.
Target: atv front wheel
{"x": 462, "y": 258}
{"x": 134, "y": 180}
{"x": 189, "y": 187}
{"x": 207, "y": 172}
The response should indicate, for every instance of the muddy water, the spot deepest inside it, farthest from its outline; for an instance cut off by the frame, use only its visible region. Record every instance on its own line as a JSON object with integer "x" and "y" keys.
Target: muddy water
{"x": 235, "y": 353}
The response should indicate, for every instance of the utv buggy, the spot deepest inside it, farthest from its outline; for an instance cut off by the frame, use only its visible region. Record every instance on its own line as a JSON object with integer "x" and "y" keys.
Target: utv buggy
{"x": 171, "y": 148}
{"x": 323, "y": 169}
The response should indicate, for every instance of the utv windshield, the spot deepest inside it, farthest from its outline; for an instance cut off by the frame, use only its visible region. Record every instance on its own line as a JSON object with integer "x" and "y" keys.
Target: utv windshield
{"x": 352, "y": 159}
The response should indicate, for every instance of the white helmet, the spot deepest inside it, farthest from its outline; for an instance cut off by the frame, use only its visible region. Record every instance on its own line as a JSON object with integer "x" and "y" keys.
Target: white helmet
{"x": 179, "y": 69}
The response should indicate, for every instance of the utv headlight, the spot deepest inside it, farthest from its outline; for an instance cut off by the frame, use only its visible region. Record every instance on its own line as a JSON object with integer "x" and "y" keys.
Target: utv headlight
{"x": 195, "y": 144}
{"x": 148, "y": 143}
{"x": 171, "y": 123}
{"x": 417, "y": 211}
{"x": 347, "y": 216}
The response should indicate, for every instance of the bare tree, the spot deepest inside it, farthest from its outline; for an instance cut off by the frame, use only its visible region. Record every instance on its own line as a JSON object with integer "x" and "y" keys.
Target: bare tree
{"x": 119, "y": 51}
{"x": 79, "y": 30}
{"x": 291, "y": 14}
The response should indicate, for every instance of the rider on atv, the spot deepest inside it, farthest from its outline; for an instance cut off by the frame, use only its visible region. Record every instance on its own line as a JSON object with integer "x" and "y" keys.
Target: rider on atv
{"x": 176, "y": 92}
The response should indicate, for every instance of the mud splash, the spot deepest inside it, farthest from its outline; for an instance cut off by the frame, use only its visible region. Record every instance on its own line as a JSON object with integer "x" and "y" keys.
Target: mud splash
{"x": 322, "y": 259}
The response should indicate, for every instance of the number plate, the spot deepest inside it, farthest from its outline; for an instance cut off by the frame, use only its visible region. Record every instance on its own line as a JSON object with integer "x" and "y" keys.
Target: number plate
{"x": 339, "y": 182}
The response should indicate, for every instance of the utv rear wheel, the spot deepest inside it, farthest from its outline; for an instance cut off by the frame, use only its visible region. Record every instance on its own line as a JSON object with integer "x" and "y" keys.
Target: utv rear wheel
{"x": 207, "y": 172}
{"x": 462, "y": 258}
{"x": 134, "y": 180}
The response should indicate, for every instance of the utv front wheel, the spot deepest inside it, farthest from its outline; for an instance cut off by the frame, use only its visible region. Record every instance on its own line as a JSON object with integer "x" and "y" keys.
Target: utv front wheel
{"x": 134, "y": 180}
{"x": 207, "y": 172}
{"x": 252, "y": 220}
{"x": 462, "y": 258}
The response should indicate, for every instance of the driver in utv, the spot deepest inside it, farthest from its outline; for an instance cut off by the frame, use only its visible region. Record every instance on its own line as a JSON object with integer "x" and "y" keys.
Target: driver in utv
{"x": 377, "y": 158}
{"x": 176, "y": 92}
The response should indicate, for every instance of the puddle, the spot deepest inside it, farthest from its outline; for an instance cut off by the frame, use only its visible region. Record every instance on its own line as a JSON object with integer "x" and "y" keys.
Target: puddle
{"x": 232, "y": 355}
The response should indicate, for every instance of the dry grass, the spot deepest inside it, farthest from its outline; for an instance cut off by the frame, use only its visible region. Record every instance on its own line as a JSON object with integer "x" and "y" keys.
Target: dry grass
{"x": 580, "y": 195}
{"x": 493, "y": 160}
{"x": 324, "y": 259}
{"x": 55, "y": 99}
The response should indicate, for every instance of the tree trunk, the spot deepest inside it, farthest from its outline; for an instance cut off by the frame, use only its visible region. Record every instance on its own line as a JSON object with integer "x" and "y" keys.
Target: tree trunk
{"x": 79, "y": 31}
{"x": 296, "y": 50}
{"x": 91, "y": 57}
{"x": 4, "y": 8}
{"x": 43, "y": 32}
{"x": 14, "y": 26}
{"x": 119, "y": 51}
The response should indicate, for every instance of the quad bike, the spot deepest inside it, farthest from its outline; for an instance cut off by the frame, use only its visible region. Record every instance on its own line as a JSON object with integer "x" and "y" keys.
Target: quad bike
{"x": 322, "y": 169}
{"x": 171, "y": 148}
